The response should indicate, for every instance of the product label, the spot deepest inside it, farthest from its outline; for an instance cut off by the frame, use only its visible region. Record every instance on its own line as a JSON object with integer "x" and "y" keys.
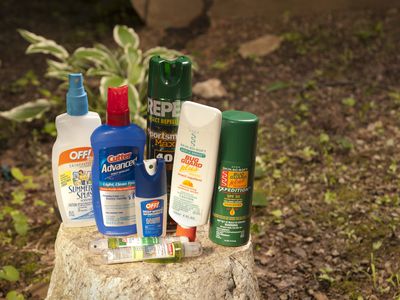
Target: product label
{"x": 230, "y": 218}
{"x": 191, "y": 174}
{"x": 152, "y": 217}
{"x": 163, "y": 250}
{"x": 75, "y": 179}
{"x": 162, "y": 127}
{"x": 117, "y": 185}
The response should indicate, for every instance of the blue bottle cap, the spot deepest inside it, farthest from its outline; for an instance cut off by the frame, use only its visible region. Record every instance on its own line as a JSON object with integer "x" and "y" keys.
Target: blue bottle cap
{"x": 151, "y": 183}
{"x": 77, "y": 101}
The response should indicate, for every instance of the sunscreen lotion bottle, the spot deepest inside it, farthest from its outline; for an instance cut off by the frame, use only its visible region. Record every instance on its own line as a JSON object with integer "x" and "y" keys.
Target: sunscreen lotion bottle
{"x": 72, "y": 157}
{"x": 151, "y": 198}
{"x": 195, "y": 162}
{"x": 117, "y": 146}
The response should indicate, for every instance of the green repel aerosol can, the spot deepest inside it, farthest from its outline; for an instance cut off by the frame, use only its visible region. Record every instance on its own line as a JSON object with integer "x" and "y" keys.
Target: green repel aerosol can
{"x": 231, "y": 210}
{"x": 170, "y": 83}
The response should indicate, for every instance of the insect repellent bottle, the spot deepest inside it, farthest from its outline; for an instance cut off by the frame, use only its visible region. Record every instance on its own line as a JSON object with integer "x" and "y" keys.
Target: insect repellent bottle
{"x": 72, "y": 157}
{"x": 162, "y": 253}
{"x": 98, "y": 246}
{"x": 117, "y": 146}
{"x": 151, "y": 198}
{"x": 230, "y": 213}
{"x": 170, "y": 84}
{"x": 194, "y": 167}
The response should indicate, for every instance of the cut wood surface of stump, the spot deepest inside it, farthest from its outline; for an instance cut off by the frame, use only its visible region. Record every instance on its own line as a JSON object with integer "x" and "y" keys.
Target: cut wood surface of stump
{"x": 219, "y": 273}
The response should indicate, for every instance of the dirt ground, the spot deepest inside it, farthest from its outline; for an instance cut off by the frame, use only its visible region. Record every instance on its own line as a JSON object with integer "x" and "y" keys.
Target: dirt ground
{"x": 326, "y": 224}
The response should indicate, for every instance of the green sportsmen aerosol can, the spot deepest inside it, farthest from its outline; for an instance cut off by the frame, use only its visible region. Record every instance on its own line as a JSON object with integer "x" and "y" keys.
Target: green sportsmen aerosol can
{"x": 231, "y": 208}
{"x": 170, "y": 83}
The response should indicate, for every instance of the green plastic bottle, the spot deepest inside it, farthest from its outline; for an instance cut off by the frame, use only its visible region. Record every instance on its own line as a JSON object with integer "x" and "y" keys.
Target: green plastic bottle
{"x": 170, "y": 83}
{"x": 231, "y": 208}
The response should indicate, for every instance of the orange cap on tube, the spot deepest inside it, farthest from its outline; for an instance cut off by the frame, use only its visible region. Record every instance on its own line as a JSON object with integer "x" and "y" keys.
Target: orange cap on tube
{"x": 189, "y": 232}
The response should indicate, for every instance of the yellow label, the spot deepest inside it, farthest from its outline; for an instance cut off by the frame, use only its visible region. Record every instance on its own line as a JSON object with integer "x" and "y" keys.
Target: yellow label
{"x": 238, "y": 179}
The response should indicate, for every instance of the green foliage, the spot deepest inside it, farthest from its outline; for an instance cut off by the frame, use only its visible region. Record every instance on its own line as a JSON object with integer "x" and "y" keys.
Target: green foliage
{"x": 9, "y": 273}
{"x": 350, "y": 101}
{"x": 27, "y": 181}
{"x": 276, "y": 86}
{"x": 126, "y": 64}
{"x": 20, "y": 221}
{"x": 14, "y": 295}
{"x": 259, "y": 198}
{"x": 18, "y": 197}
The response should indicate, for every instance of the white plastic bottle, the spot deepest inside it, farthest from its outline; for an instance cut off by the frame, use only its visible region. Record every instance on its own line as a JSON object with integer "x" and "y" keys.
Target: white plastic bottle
{"x": 193, "y": 174}
{"x": 72, "y": 157}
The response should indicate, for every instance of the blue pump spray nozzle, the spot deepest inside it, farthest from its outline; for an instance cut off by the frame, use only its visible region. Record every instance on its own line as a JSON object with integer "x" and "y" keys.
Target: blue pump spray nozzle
{"x": 77, "y": 101}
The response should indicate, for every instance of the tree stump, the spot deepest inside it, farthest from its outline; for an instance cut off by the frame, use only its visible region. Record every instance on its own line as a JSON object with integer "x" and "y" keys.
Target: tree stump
{"x": 219, "y": 273}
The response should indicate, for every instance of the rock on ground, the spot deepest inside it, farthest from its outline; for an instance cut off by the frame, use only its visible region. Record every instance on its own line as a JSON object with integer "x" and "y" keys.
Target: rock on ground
{"x": 171, "y": 13}
{"x": 220, "y": 273}
{"x": 211, "y": 88}
{"x": 261, "y": 46}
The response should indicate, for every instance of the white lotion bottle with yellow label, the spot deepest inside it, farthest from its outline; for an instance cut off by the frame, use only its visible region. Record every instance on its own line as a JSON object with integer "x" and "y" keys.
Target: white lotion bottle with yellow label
{"x": 72, "y": 157}
{"x": 195, "y": 161}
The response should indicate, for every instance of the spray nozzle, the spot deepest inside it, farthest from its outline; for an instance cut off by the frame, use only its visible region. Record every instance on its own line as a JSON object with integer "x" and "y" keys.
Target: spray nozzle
{"x": 77, "y": 102}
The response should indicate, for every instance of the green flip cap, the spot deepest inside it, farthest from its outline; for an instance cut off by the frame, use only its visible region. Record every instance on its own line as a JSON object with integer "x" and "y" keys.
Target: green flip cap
{"x": 170, "y": 79}
{"x": 238, "y": 136}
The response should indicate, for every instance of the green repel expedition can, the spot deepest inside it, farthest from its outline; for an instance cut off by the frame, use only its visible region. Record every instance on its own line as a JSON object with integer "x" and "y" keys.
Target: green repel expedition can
{"x": 170, "y": 83}
{"x": 231, "y": 209}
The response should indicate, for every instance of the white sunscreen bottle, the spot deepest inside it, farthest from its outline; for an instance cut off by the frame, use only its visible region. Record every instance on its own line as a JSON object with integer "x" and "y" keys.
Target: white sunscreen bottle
{"x": 72, "y": 157}
{"x": 193, "y": 174}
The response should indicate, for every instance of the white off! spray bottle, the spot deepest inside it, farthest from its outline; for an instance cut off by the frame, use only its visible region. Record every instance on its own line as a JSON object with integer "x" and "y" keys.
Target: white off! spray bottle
{"x": 193, "y": 174}
{"x": 72, "y": 157}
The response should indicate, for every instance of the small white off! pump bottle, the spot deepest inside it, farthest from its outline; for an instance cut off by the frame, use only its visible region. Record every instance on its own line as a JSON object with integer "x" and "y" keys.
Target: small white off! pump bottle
{"x": 72, "y": 157}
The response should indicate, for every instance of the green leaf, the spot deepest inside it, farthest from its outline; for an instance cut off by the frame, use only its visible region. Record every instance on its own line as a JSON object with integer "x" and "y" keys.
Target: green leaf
{"x": 17, "y": 174}
{"x": 50, "y": 129}
{"x": 134, "y": 101}
{"x": 20, "y": 220}
{"x": 123, "y": 35}
{"x": 324, "y": 138}
{"x": 39, "y": 203}
{"x": 277, "y": 213}
{"x": 279, "y": 85}
{"x": 162, "y": 51}
{"x": 101, "y": 58}
{"x": 29, "y": 184}
{"x": 98, "y": 72}
{"x": 349, "y": 101}
{"x": 9, "y": 273}
{"x": 376, "y": 245}
{"x": 18, "y": 197}
{"x": 259, "y": 198}
{"x": 106, "y": 82}
{"x": 133, "y": 56}
{"x": 27, "y": 111}
{"x": 58, "y": 70}
{"x": 48, "y": 47}
{"x": 30, "y": 36}
{"x": 14, "y": 295}
{"x": 330, "y": 197}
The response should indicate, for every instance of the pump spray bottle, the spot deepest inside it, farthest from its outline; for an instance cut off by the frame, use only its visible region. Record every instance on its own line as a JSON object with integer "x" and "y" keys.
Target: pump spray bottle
{"x": 117, "y": 146}
{"x": 72, "y": 157}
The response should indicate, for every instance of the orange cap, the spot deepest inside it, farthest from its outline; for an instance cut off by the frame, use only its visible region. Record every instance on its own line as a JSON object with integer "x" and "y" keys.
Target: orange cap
{"x": 189, "y": 232}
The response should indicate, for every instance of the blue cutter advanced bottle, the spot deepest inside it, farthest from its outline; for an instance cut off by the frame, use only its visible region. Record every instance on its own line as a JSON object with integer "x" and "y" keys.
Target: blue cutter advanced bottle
{"x": 151, "y": 198}
{"x": 117, "y": 146}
